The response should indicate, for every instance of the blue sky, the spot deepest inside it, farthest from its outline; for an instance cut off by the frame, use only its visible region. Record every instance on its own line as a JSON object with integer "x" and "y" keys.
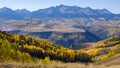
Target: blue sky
{"x": 111, "y": 5}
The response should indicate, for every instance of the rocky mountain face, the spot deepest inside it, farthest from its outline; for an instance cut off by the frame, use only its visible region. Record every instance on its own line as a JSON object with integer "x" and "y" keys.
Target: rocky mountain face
{"x": 71, "y": 12}
{"x": 7, "y": 13}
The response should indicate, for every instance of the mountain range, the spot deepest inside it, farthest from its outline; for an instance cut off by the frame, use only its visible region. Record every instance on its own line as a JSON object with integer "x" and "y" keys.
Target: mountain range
{"x": 61, "y": 11}
{"x": 64, "y": 25}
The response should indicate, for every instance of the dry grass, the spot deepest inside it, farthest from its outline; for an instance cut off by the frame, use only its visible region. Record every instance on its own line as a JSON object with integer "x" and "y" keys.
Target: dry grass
{"x": 112, "y": 61}
{"x": 59, "y": 65}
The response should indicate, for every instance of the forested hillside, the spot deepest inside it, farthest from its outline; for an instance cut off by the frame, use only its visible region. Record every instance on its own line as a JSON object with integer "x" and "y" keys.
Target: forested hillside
{"x": 105, "y": 49}
{"x": 110, "y": 48}
{"x": 15, "y": 47}
{"x": 21, "y": 48}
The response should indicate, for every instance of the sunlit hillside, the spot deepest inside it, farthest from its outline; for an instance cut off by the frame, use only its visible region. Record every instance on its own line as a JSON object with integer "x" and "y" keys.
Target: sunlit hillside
{"x": 25, "y": 49}
{"x": 19, "y": 47}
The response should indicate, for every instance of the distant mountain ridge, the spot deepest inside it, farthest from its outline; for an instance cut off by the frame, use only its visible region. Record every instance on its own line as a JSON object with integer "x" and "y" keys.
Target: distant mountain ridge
{"x": 61, "y": 11}
{"x": 7, "y": 13}
{"x": 71, "y": 11}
